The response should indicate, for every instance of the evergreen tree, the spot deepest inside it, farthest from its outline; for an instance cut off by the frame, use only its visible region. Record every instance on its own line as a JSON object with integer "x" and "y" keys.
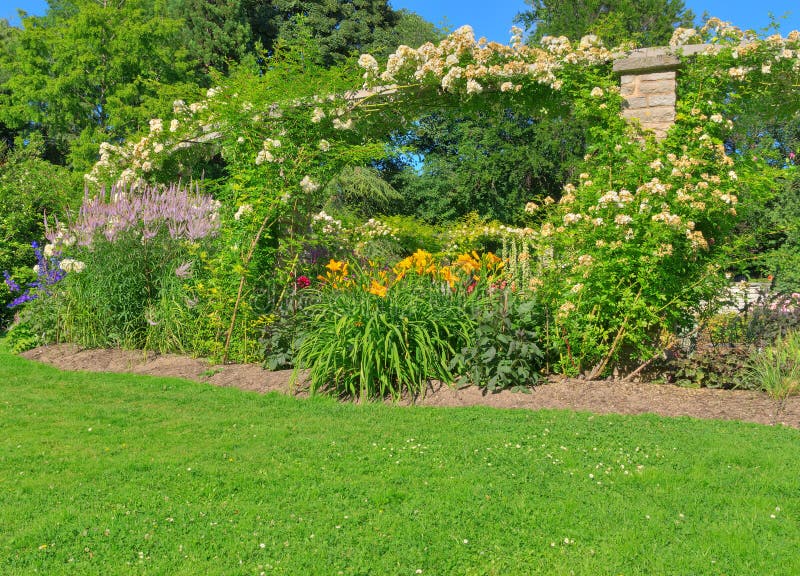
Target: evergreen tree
{"x": 216, "y": 32}
{"x": 644, "y": 22}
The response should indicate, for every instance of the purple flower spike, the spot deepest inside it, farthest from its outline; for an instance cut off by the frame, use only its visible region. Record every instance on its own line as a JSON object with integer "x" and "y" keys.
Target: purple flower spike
{"x": 13, "y": 286}
{"x": 184, "y": 270}
{"x": 186, "y": 214}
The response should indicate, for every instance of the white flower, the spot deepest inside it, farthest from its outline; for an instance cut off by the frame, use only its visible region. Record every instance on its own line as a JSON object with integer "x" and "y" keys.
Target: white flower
{"x": 264, "y": 156}
{"x": 368, "y": 62}
{"x": 473, "y": 87}
{"x": 339, "y": 125}
{"x": 317, "y": 115}
{"x": 506, "y": 86}
{"x": 242, "y": 211}
{"x": 70, "y": 265}
{"x": 147, "y": 166}
{"x": 716, "y": 118}
{"x": 531, "y": 207}
{"x": 36, "y": 269}
{"x": 308, "y": 185}
{"x": 179, "y": 106}
{"x": 622, "y": 219}
{"x": 324, "y": 145}
{"x": 589, "y": 41}
{"x": 173, "y": 125}
{"x": 211, "y": 92}
{"x": 156, "y": 126}
{"x": 596, "y": 92}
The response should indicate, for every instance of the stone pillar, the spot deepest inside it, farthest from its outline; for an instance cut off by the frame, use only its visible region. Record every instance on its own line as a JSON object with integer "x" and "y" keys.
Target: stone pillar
{"x": 648, "y": 83}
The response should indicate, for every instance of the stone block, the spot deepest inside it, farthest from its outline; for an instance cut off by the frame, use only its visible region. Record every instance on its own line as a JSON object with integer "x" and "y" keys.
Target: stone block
{"x": 627, "y": 85}
{"x": 635, "y": 102}
{"x": 656, "y": 87}
{"x": 634, "y": 64}
{"x": 658, "y": 114}
{"x": 668, "y": 75}
{"x": 659, "y": 126}
{"x": 661, "y": 99}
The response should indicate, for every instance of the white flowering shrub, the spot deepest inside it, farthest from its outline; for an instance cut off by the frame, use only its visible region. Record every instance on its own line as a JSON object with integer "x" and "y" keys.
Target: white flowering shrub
{"x": 628, "y": 253}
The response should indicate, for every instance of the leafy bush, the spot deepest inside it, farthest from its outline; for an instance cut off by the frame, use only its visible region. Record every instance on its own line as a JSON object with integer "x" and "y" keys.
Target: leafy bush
{"x": 711, "y": 367}
{"x": 29, "y": 188}
{"x": 283, "y": 329}
{"x": 777, "y": 367}
{"x": 132, "y": 263}
{"x": 376, "y": 334}
{"x": 504, "y": 352}
{"x": 20, "y": 337}
{"x": 778, "y": 316}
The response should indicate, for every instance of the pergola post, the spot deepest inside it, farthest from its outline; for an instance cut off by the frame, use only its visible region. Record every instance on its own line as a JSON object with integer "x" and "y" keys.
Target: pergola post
{"x": 648, "y": 85}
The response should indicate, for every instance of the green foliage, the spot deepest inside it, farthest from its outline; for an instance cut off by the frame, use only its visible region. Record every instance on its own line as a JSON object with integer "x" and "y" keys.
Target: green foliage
{"x": 781, "y": 239}
{"x": 21, "y": 337}
{"x": 409, "y": 29}
{"x": 361, "y": 344}
{"x": 130, "y": 296}
{"x": 504, "y": 352}
{"x": 360, "y": 190}
{"x": 729, "y": 343}
{"x": 339, "y": 29}
{"x": 90, "y": 72}
{"x": 721, "y": 366}
{"x": 414, "y": 234}
{"x": 777, "y": 367}
{"x": 29, "y": 188}
{"x": 284, "y": 329}
{"x": 489, "y": 160}
{"x": 216, "y": 33}
{"x": 643, "y": 22}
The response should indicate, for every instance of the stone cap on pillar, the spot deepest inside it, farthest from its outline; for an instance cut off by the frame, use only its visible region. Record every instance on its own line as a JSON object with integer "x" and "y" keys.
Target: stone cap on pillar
{"x": 658, "y": 58}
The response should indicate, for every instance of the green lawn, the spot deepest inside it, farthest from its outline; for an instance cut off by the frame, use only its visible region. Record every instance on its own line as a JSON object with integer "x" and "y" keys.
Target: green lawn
{"x": 118, "y": 474}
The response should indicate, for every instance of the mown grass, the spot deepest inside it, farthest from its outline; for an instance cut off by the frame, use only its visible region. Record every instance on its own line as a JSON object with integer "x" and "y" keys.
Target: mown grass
{"x": 119, "y": 474}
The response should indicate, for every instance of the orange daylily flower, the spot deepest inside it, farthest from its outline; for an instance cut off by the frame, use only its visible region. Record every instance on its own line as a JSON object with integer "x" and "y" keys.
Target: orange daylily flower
{"x": 378, "y": 289}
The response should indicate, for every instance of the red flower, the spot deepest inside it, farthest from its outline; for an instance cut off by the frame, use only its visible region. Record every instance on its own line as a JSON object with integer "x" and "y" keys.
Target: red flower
{"x": 302, "y": 282}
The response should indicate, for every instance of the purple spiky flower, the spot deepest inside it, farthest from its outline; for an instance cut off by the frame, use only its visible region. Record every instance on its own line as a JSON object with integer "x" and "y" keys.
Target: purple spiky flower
{"x": 185, "y": 214}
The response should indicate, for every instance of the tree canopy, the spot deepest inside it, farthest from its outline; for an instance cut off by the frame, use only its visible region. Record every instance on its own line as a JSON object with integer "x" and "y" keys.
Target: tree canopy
{"x": 86, "y": 73}
{"x": 643, "y": 22}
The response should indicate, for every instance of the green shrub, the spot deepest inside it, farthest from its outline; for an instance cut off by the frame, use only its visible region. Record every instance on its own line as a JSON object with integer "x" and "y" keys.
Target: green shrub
{"x": 368, "y": 338}
{"x": 777, "y": 367}
{"x": 29, "y": 188}
{"x": 720, "y": 366}
{"x": 504, "y": 352}
{"x": 133, "y": 269}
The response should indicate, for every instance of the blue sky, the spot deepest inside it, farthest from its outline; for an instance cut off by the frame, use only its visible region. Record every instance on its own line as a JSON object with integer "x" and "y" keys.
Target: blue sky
{"x": 493, "y": 18}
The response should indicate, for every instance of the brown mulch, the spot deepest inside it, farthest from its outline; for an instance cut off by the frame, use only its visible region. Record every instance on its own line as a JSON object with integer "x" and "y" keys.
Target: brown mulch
{"x": 598, "y": 396}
